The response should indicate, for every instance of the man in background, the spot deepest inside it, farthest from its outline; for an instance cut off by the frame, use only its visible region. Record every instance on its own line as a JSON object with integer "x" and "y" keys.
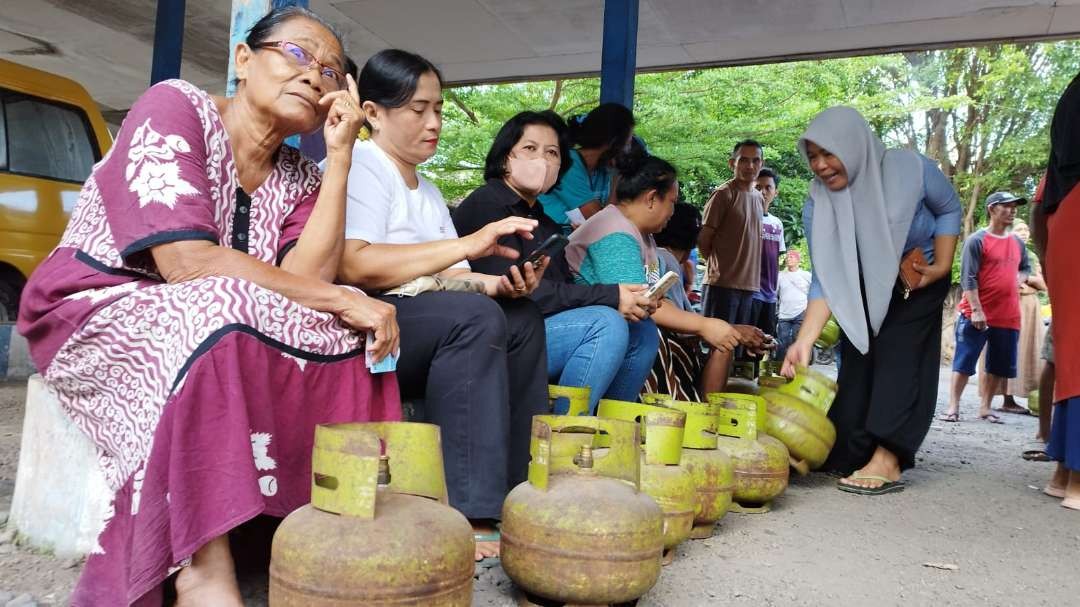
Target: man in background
{"x": 763, "y": 306}
{"x": 793, "y": 288}
{"x": 993, "y": 262}
{"x": 730, "y": 239}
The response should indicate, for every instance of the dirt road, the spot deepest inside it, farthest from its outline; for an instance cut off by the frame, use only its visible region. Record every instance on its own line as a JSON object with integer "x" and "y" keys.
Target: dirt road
{"x": 972, "y": 503}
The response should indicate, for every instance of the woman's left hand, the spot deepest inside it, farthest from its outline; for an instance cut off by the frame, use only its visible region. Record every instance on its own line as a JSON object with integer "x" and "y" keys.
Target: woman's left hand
{"x": 343, "y": 119}
{"x": 517, "y": 283}
{"x": 932, "y": 273}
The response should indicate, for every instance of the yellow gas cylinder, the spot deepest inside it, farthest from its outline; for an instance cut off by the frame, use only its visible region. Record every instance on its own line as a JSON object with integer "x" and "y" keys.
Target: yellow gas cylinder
{"x": 812, "y": 387}
{"x": 576, "y": 400}
{"x": 760, "y": 461}
{"x": 573, "y": 401}
{"x": 798, "y": 417}
{"x": 580, "y": 530}
{"x": 378, "y": 530}
{"x": 741, "y": 379}
{"x": 830, "y": 334}
{"x": 714, "y": 475}
{"x": 670, "y": 484}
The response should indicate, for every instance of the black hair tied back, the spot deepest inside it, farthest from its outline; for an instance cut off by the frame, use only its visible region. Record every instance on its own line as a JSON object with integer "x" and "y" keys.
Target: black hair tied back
{"x": 640, "y": 172}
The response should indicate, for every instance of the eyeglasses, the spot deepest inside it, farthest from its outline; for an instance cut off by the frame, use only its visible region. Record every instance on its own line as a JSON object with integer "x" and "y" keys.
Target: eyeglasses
{"x": 304, "y": 60}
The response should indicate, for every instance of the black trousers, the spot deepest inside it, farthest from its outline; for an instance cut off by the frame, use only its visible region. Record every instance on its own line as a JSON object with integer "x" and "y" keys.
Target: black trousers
{"x": 887, "y": 396}
{"x": 481, "y": 367}
{"x": 763, "y": 316}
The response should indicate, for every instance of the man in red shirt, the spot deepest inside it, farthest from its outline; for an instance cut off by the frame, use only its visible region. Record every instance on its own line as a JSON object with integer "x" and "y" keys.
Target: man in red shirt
{"x": 993, "y": 261}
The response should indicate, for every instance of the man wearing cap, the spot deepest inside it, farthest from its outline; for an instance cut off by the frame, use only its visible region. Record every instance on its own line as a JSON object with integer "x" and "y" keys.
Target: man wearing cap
{"x": 994, "y": 260}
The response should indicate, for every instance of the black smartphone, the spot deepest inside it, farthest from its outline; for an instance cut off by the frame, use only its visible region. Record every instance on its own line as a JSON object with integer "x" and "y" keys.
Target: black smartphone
{"x": 548, "y": 248}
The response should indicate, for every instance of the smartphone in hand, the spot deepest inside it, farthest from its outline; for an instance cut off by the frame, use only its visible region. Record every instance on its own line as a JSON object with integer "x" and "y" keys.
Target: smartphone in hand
{"x": 548, "y": 248}
{"x": 661, "y": 287}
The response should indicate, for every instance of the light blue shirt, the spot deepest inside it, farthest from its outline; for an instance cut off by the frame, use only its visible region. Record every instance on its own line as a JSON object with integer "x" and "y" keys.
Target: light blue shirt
{"x": 576, "y": 188}
{"x": 937, "y": 214}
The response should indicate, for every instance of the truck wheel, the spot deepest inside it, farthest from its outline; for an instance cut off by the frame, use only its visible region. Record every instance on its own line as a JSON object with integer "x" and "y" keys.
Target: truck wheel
{"x": 9, "y": 299}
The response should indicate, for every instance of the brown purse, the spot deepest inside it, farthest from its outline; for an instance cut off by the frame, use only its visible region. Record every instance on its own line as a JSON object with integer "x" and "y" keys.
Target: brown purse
{"x": 908, "y": 274}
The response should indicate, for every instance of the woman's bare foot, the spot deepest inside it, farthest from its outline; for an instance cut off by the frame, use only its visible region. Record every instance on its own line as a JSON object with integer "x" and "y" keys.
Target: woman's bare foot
{"x": 1072, "y": 491}
{"x": 486, "y": 535}
{"x": 1058, "y": 482}
{"x": 210, "y": 579}
{"x": 882, "y": 464}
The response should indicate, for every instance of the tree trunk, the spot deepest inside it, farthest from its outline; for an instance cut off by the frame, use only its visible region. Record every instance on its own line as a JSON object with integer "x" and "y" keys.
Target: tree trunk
{"x": 976, "y": 193}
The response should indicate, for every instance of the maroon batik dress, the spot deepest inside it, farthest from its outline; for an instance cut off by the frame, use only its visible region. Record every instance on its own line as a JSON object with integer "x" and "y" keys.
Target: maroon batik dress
{"x": 202, "y": 396}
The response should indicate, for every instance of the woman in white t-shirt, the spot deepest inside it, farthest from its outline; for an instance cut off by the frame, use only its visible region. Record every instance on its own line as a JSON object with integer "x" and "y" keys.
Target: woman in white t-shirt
{"x": 477, "y": 360}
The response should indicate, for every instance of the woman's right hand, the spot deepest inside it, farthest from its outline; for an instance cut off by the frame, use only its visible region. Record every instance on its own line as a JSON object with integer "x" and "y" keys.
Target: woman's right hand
{"x": 720, "y": 335}
{"x": 363, "y": 313}
{"x": 344, "y": 118}
{"x": 633, "y": 305}
{"x": 798, "y": 353}
{"x": 485, "y": 241}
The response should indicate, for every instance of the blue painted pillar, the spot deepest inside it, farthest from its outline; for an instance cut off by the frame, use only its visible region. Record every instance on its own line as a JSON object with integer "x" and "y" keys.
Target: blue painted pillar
{"x": 244, "y": 15}
{"x": 168, "y": 40}
{"x": 619, "y": 58}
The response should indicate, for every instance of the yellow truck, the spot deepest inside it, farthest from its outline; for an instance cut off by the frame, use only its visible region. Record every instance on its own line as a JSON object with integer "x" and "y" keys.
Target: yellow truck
{"x": 51, "y": 134}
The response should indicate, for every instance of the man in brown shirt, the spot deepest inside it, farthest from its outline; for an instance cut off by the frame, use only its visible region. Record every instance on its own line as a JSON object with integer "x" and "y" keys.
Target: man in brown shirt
{"x": 730, "y": 239}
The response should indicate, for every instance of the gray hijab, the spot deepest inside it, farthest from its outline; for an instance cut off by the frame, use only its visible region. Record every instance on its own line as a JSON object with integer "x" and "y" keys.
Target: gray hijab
{"x": 864, "y": 225}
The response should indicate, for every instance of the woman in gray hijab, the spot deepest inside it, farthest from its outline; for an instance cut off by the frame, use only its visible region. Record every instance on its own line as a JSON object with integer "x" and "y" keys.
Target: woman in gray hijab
{"x": 867, "y": 209}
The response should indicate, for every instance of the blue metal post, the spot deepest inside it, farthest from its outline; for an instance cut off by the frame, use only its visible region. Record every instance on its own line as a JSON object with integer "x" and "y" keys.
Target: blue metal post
{"x": 244, "y": 15}
{"x": 168, "y": 40}
{"x": 619, "y": 58}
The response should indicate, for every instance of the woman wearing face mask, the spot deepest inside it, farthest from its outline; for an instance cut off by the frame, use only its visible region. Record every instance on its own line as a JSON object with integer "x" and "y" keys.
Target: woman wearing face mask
{"x": 868, "y": 207}
{"x": 616, "y": 246}
{"x": 586, "y": 186}
{"x": 597, "y": 336}
{"x": 476, "y": 359}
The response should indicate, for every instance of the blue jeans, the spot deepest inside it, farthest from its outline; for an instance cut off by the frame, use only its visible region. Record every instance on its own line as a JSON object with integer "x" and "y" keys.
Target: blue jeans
{"x": 596, "y": 347}
{"x": 786, "y": 332}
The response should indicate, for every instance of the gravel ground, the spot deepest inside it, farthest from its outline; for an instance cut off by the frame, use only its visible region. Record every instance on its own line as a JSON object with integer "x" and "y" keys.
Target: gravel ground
{"x": 972, "y": 505}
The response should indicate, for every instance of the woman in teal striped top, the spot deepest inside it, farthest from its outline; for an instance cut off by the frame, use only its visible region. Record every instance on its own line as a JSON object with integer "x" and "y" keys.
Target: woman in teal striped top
{"x": 616, "y": 246}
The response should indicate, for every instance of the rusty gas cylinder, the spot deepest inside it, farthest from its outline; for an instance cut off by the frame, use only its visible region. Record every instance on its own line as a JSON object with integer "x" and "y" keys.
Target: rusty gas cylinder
{"x": 714, "y": 475}
{"x": 760, "y": 461}
{"x": 378, "y": 531}
{"x": 663, "y": 478}
{"x": 580, "y": 530}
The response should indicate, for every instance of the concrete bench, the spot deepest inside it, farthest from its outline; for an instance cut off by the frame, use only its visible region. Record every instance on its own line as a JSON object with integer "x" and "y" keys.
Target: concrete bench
{"x": 15, "y": 361}
{"x": 61, "y": 499}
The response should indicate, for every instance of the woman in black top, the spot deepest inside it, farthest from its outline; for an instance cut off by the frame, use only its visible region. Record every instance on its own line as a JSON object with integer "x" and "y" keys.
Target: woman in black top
{"x": 597, "y": 336}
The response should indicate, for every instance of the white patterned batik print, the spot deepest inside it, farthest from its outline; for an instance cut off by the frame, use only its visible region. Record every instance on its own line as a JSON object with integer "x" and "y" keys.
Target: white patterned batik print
{"x": 97, "y": 296}
{"x": 153, "y": 171}
{"x": 122, "y": 364}
{"x": 260, "y": 447}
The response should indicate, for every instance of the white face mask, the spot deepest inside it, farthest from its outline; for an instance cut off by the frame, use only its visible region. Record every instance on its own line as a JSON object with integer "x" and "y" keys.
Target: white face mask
{"x": 531, "y": 176}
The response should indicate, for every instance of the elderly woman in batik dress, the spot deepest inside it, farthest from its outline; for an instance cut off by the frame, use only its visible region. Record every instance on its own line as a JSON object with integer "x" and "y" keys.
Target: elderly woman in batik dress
{"x": 187, "y": 321}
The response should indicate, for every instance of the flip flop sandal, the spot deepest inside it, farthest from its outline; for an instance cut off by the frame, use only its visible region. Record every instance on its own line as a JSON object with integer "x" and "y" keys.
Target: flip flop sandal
{"x": 993, "y": 419}
{"x": 1017, "y": 409}
{"x": 887, "y": 486}
{"x": 1035, "y": 452}
{"x": 950, "y": 417}
{"x": 1071, "y": 504}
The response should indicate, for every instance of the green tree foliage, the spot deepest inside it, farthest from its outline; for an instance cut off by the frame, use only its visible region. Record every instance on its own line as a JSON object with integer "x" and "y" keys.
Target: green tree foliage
{"x": 982, "y": 113}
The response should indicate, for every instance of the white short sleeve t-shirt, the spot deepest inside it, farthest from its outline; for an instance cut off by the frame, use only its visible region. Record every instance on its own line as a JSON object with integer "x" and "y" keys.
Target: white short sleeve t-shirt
{"x": 793, "y": 289}
{"x": 381, "y": 209}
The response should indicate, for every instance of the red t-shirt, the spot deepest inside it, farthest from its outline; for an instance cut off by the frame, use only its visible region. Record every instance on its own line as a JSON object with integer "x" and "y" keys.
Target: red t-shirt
{"x": 991, "y": 265}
